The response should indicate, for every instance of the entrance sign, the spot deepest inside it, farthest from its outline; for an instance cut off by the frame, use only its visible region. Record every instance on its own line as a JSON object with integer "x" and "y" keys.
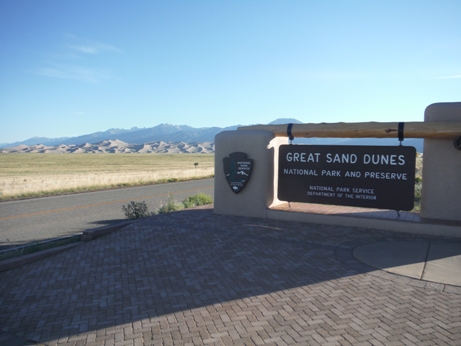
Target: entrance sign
{"x": 237, "y": 169}
{"x": 380, "y": 177}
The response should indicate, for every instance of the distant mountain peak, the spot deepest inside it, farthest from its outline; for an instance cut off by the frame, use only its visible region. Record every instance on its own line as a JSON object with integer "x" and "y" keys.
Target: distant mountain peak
{"x": 281, "y": 121}
{"x": 162, "y": 132}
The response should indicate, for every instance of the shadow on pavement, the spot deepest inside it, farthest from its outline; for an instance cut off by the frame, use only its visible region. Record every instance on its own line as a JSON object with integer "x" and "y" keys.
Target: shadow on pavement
{"x": 167, "y": 264}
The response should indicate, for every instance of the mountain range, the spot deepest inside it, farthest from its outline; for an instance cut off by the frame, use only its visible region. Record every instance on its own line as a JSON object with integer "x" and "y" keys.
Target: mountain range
{"x": 162, "y": 132}
{"x": 155, "y": 138}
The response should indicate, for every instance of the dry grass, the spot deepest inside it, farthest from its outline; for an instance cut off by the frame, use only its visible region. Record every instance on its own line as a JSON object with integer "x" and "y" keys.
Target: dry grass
{"x": 418, "y": 183}
{"x": 34, "y": 174}
{"x": 29, "y": 175}
{"x": 419, "y": 166}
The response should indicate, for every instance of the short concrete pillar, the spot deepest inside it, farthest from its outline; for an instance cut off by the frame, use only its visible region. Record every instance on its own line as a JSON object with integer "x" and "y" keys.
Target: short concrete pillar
{"x": 260, "y": 191}
{"x": 441, "y": 195}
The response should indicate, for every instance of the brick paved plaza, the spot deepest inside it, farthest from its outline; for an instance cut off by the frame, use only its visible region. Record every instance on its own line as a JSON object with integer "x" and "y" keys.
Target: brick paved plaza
{"x": 195, "y": 278}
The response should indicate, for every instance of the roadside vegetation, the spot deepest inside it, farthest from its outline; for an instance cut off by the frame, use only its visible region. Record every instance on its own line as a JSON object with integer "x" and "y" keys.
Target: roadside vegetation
{"x": 137, "y": 210}
{"x": 33, "y": 175}
{"x": 418, "y": 182}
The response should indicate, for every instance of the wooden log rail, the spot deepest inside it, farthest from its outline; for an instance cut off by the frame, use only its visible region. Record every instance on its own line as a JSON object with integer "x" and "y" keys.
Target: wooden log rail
{"x": 432, "y": 130}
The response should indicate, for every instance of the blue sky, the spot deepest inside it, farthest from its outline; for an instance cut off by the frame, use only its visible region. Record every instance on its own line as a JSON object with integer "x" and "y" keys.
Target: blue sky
{"x": 74, "y": 67}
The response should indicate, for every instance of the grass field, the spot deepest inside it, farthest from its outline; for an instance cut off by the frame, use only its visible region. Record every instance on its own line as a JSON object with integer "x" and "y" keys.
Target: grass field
{"x": 28, "y": 175}
{"x": 34, "y": 175}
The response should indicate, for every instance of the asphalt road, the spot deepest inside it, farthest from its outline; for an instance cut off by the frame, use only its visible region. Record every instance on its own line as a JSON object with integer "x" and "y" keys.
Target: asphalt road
{"x": 31, "y": 220}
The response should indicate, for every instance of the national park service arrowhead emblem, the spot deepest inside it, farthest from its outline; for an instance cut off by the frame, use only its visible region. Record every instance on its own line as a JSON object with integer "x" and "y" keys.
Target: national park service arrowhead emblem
{"x": 237, "y": 169}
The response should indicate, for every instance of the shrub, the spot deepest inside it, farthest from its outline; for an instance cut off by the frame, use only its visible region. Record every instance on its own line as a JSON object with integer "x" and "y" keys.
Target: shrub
{"x": 136, "y": 210}
{"x": 418, "y": 192}
{"x": 196, "y": 200}
{"x": 170, "y": 206}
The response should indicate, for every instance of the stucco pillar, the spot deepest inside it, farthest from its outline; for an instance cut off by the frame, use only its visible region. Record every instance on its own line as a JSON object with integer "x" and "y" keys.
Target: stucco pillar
{"x": 260, "y": 190}
{"x": 441, "y": 194}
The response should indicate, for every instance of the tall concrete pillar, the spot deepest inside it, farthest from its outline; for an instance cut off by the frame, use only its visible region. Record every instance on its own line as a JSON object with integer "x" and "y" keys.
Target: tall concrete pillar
{"x": 441, "y": 195}
{"x": 260, "y": 190}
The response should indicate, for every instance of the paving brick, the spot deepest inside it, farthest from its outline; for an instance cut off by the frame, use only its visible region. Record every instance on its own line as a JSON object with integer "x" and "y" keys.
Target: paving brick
{"x": 195, "y": 278}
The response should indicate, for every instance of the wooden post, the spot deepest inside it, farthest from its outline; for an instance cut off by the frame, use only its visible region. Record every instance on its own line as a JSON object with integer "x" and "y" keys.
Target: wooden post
{"x": 432, "y": 130}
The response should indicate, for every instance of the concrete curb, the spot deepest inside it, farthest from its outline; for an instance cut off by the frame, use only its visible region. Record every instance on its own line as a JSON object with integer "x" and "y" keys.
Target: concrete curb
{"x": 344, "y": 253}
{"x": 91, "y": 234}
{"x": 368, "y": 223}
{"x": 87, "y": 235}
{"x": 22, "y": 260}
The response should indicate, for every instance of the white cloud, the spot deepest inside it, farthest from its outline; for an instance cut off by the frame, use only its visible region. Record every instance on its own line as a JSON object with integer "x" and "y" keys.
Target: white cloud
{"x": 77, "y": 49}
{"x": 94, "y": 48}
{"x": 89, "y": 46}
{"x": 79, "y": 73}
{"x": 455, "y": 76}
{"x": 302, "y": 74}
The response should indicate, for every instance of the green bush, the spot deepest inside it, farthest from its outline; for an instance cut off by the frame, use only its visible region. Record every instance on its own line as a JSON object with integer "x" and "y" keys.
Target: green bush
{"x": 136, "y": 210}
{"x": 196, "y": 200}
{"x": 170, "y": 206}
{"x": 191, "y": 201}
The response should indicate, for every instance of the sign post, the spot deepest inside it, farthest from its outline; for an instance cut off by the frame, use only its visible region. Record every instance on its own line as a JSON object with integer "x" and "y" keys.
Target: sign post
{"x": 380, "y": 177}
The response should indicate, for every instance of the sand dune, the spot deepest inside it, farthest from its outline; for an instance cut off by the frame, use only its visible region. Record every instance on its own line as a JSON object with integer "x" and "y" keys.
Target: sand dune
{"x": 115, "y": 146}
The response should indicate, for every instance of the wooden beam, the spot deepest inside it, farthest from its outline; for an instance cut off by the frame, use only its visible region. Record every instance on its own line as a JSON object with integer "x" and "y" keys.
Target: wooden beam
{"x": 432, "y": 130}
